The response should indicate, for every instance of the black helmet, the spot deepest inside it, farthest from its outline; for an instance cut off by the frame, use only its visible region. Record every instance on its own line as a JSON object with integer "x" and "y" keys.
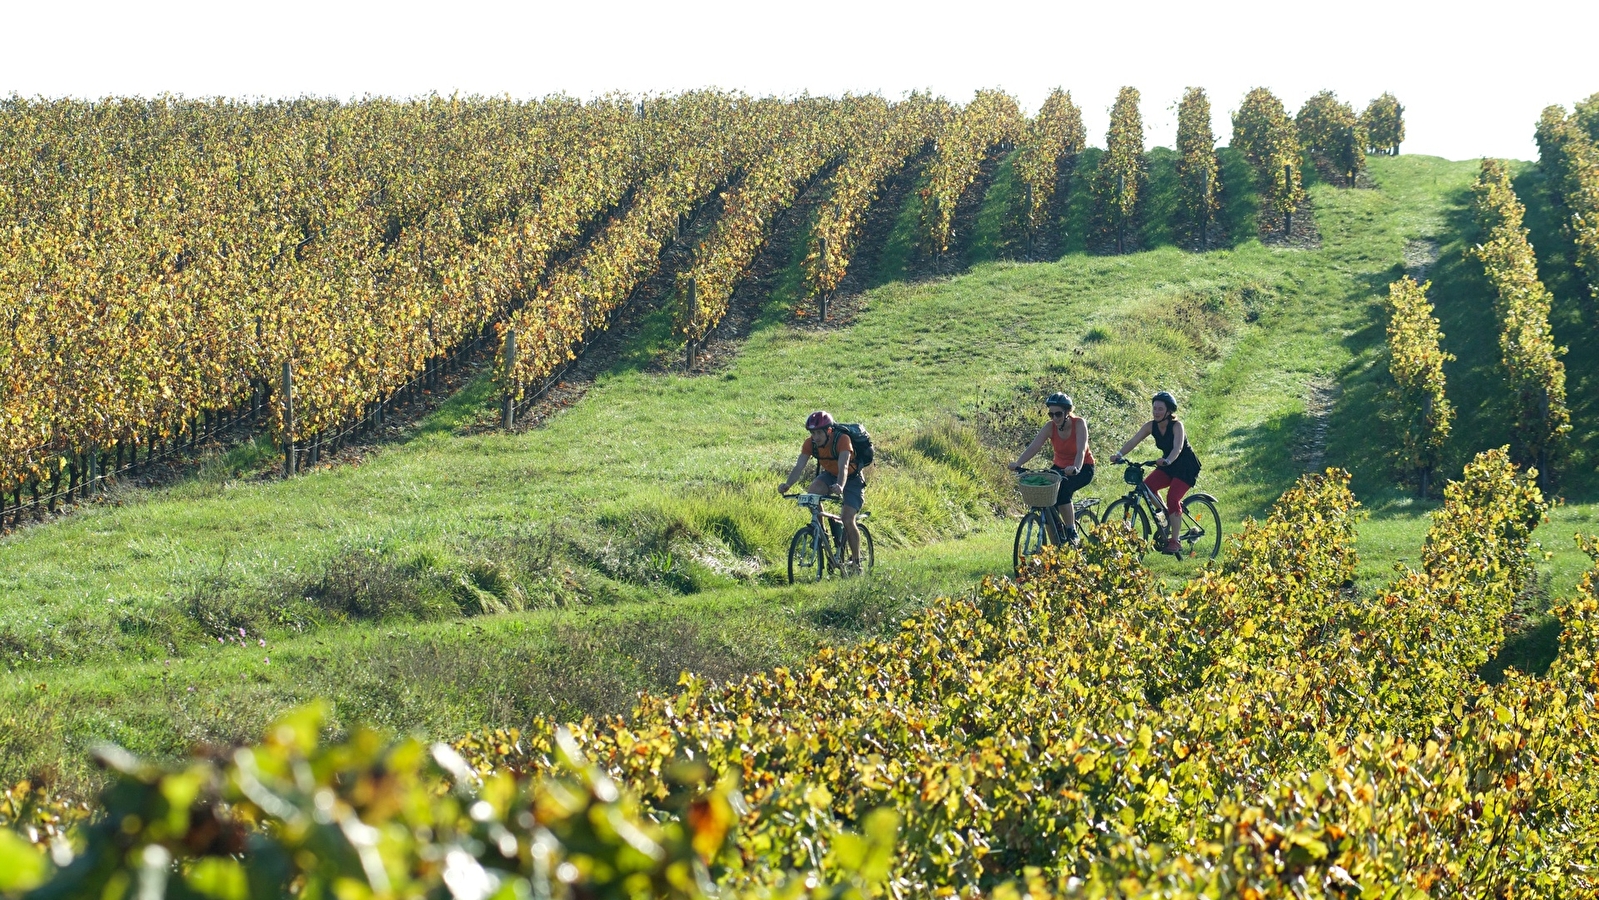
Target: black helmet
{"x": 1059, "y": 399}
{"x": 1166, "y": 398}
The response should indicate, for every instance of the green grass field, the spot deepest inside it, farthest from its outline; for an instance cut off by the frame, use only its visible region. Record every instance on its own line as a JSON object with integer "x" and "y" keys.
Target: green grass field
{"x": 462, "y": 579}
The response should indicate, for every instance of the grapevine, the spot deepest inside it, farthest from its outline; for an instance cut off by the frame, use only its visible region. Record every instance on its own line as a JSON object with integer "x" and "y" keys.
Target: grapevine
{"x": 707, "y": 139}
{"x": 1263, "y": 132}
{"x": 1416, "y": 404}
{"x": 1050, "y": 143}
{"x": 1568, "y": 150}
{"x": 1198, "y": 175}
{"x": 1535, "y": 375}
{"x": 1330, "y": 127}
{"x": 991, "y": 121}
{"x": 805, "y": 137}
{"x": 906, "y": 129}
{"x": 1384, "y": 123}
{"x": 161, "y": 277}
{"x": 1119, "y": 181}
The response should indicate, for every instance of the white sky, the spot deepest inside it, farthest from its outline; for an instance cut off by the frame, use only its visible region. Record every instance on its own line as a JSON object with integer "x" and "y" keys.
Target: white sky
{"x": 1472, "y": 78}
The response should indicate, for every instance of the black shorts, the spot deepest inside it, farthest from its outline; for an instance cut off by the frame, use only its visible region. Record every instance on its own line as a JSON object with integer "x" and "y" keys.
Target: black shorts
{"x": 1071, "y": 484}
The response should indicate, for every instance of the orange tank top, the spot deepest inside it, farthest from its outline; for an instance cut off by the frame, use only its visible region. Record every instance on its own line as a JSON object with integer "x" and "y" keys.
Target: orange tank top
{"x": 1066, "y": 444}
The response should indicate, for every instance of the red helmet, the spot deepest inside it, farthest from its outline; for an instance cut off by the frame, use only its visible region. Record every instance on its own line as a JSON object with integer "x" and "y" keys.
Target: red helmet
{"x": 818, "y": 419}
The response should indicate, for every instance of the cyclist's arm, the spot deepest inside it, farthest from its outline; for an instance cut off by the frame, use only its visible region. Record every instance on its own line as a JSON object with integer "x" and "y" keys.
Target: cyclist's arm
{"x": 843, "y": 468}
{"x": 1135, "y": 440}
{"x": 1032, "y": 449}
{"x": 1177, "y": 440}
{"x": 797, "y": 473}
{"x": 1082, "y": 445}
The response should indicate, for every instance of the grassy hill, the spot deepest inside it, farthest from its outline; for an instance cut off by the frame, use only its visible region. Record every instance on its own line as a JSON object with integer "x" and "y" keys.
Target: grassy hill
{"x": 467, "y": 577}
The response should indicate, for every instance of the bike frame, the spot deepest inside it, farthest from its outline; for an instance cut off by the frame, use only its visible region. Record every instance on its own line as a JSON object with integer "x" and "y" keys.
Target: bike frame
{"x": 1142, "y": 493}
{"x": 821, "y": 535}
{"x": 1153, "y": 508}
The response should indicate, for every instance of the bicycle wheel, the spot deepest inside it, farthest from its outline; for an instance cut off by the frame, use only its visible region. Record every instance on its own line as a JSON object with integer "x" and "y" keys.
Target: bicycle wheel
{"x": 1031, "y": 534}
{"x": 804, "y": 563}
{"x": 868, "y": 555}
{"x": 1201, "y": 532}
{"x": 1129, "y": 515}
{"x": 1086, "y": 518}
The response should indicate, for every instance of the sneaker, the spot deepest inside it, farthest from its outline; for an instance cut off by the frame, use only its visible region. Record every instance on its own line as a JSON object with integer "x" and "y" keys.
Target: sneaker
{"x": 1072, "y": 538}
{"x": 1174, "y": 548}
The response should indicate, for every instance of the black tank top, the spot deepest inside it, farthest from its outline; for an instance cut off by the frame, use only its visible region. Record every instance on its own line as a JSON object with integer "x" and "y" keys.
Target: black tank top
{"x": 1186, "y": 466}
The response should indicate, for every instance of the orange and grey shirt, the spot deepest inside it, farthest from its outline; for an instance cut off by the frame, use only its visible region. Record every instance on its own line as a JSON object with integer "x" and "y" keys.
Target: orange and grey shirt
{"x": 827, "y": 455}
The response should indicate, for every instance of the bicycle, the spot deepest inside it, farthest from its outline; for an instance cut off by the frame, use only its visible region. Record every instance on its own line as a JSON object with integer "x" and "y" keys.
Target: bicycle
{"x": 1201, "y": 525}
{"x": 811, "y": 553}
{"x": 1042, "y": 524}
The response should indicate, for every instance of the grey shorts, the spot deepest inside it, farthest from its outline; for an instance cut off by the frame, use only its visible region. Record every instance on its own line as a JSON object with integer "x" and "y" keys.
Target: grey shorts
{"x": 854, "y": 487}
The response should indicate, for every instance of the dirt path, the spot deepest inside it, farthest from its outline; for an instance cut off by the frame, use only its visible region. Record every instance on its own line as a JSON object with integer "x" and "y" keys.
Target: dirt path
{"x": 1420, "y": 256}
{"x": 1311, "y": 446}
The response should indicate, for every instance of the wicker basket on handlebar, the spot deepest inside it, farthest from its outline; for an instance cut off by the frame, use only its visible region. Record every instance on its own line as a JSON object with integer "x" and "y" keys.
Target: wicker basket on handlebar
{"x": 1039, "y": 494}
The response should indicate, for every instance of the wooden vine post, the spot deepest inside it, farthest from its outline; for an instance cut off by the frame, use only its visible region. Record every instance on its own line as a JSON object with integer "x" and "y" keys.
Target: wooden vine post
{"x": 1121, "y": 215}
{"x": 288, "y": 419}
{"x": 508, "y": 359}
{"x": 1288, "y": 212}
{"x": 821, "y": 300}
{"x": 1426, "y": 418}
{"x": 692, "y": 299}
{"x": 1027, "y": 217}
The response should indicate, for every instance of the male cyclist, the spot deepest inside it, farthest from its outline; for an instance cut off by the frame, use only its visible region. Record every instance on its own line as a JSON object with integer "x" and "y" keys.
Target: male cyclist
{"x": 834, "y": 456}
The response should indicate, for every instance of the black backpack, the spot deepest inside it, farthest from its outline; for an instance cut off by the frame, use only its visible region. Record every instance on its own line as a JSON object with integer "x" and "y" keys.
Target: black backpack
{"x": 858, "y": 439}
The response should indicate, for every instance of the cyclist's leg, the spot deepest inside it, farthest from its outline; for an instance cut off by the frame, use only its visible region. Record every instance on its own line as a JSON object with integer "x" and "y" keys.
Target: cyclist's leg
{"x": 1069, "y": 486}
{"x": 1158, "y": 481}
{"x": 854, "y": 498}
{"x": 1174, "y": 499}
{"x": 822, "y": 483}
{"x": 1064, "y": 514}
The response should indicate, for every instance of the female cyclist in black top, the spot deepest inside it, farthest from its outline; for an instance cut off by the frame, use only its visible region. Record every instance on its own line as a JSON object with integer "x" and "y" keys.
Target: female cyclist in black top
{"x": 1179, "y": 467}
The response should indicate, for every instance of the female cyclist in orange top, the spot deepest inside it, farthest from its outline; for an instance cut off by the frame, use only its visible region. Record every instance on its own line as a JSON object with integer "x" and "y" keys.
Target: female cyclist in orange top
{"x": 1068, "y": 437}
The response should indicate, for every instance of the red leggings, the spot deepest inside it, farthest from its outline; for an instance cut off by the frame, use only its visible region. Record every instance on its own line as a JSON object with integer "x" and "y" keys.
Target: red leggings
{"x": 1157, "y": 480}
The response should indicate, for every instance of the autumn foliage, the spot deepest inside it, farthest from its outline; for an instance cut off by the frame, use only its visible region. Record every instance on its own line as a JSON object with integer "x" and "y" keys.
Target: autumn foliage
{"x": 1420, "y": 412}
{"x": 1535, "y": 377}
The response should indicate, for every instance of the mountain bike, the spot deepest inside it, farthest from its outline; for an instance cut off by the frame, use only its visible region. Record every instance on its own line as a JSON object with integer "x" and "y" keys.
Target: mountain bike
{"x": 1042, "y": 524}
{"x": 1199, "y": 532}
{"x": 818, "y": 549}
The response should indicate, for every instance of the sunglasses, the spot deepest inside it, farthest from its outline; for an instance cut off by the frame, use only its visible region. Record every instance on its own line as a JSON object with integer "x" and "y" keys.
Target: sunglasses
{"x": 1057, "y": 414}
